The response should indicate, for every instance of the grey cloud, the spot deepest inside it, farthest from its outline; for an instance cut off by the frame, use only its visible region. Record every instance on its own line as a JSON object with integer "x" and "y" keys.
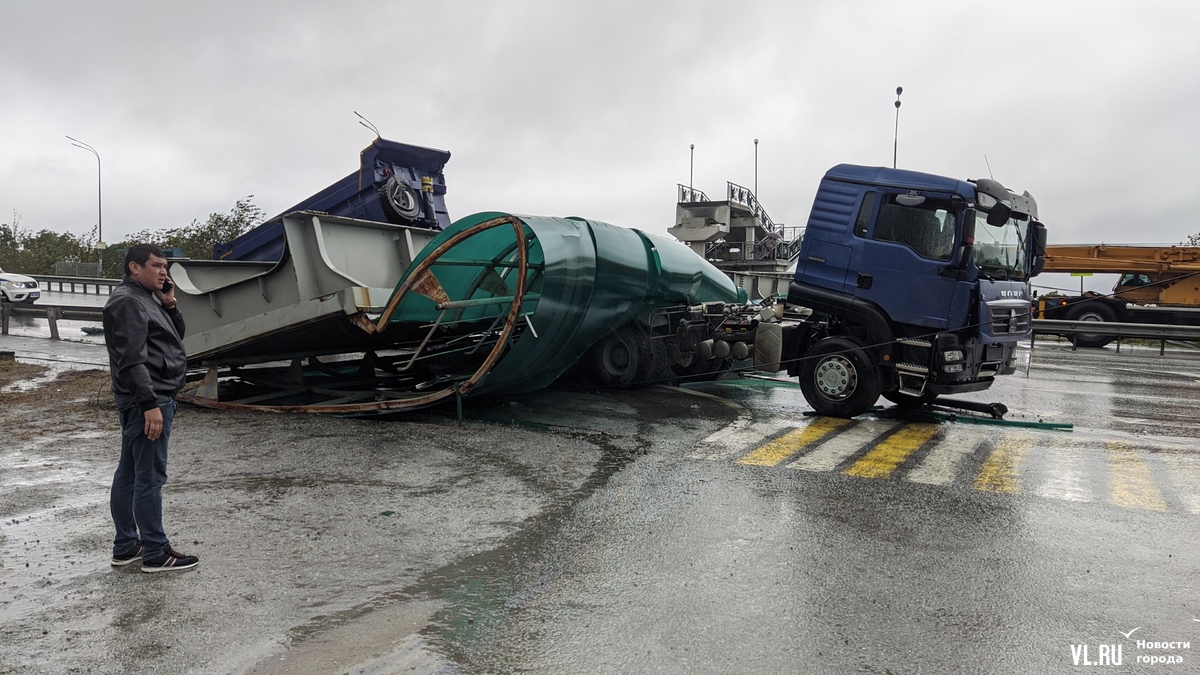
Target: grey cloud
{"x": 588, "y": 108}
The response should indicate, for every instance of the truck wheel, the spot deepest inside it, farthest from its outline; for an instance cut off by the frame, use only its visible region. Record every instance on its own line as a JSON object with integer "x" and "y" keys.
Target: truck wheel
{"x": 1091, "y": 311}
{"x": 401, "y": 204}
{"x": 838, "y": 378}
{"x": 624, "y": 356}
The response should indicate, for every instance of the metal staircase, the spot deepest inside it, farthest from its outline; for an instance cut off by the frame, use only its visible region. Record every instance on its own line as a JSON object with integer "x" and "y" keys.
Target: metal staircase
{"x": 736, "y": 234}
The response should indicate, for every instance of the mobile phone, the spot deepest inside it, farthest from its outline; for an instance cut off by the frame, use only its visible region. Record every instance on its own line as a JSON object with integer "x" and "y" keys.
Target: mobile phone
{"x": 167, "y": 286}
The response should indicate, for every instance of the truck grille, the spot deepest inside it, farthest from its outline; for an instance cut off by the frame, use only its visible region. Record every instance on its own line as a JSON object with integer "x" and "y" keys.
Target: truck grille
{"x": 1008, "y": 320}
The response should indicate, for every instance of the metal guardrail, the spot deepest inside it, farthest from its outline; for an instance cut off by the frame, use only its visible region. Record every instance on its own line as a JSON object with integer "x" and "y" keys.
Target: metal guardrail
{"x": 1147, "y": 331}
{"x": 52, "y": 313}
{"x": 687, "y": 195}
{"x": 763, "y": 250}
{"x": 745, "y": 196}
{"x": 76, "y": 284}
{"x": 1153, "y": 331}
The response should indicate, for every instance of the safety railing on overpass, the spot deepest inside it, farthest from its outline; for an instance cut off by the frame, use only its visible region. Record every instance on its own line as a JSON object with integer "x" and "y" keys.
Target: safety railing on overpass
{"x": 52, "y": 313}
{"x": 76, "y": 284}
{"x": 1145, "y": 331}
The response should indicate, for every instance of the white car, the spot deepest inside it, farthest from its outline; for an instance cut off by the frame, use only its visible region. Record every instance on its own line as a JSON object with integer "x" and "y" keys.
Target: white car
{"x": 18, "y": 288}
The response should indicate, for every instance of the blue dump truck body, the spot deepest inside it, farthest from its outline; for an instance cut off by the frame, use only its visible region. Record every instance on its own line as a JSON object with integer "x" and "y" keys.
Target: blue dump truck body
{"x": 395, "y": 183}
{"x": 919, "y": 287}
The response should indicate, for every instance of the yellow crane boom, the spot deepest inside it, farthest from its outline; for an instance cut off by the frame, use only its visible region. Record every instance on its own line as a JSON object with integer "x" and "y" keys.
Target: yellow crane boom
{"x": 1159, "y": 275}
{"x": 1122, "y": 259}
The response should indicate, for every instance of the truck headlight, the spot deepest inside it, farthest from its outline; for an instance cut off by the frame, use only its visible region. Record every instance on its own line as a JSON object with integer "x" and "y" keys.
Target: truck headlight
{"x": 953, "y": 355}
{"x": 952, "y": 367}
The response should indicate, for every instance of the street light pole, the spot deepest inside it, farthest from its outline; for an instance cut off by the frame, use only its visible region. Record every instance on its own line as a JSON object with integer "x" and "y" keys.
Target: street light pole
{"x": 756, "y": 169}
{"x": 99, "y": 200}
{"x": 896, "y": 138}
{"x": 691, "y": 166}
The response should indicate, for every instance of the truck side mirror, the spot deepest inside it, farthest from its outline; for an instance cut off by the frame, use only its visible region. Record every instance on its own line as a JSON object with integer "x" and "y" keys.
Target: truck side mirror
{"x": 1037, "y": 239}
{"x": 1037, "y": 247}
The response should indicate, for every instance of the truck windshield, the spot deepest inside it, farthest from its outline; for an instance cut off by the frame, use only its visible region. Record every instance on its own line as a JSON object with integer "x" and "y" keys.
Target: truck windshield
{"x": 1000, "y": 251}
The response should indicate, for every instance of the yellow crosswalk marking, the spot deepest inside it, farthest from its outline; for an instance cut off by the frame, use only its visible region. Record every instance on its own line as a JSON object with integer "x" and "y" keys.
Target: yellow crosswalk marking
{"x": 792, "y": 442}
{"x": 883, "y": 459}
{"x": 1001, "y": 471}
{"x": 1130, "y": 481}
{"x": 832, "y": 452}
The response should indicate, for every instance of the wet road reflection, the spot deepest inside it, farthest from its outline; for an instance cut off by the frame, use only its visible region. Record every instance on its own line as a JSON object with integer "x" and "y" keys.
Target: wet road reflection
{"x": 711, "y": 529}
{"x": 787, "y": 543}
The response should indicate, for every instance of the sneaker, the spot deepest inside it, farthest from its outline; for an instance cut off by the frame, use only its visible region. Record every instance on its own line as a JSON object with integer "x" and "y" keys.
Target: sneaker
{"x": 131, "y": 556}
{"x": 168, "y": 561}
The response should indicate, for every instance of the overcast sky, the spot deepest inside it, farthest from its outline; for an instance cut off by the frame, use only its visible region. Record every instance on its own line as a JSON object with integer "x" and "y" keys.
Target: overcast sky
{"x": 558, "y": 107}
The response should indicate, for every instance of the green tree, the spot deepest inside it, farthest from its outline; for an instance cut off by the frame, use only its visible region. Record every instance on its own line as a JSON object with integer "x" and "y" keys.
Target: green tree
{"x": 27, "y": 252}
{"x": 196, "y": 240}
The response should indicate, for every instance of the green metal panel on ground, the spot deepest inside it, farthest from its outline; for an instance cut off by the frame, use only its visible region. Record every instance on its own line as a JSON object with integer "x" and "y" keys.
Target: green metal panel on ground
{"x": 582, "y": 279}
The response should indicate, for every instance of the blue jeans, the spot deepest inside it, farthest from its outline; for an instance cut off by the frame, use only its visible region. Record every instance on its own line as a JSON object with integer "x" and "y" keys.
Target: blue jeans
{"x": 136, "y": 498}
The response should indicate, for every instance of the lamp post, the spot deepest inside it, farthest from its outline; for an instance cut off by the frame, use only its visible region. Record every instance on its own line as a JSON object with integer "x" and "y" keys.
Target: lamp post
{"x": 756, "y": 169}
{"x": 896, "y": 138}
{"x": 691, "y": 166}
{"x": 99, "y": 200}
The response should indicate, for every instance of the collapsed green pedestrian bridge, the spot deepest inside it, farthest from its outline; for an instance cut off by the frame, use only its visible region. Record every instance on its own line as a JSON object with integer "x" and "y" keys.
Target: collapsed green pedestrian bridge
{"x": 362, "y": 316}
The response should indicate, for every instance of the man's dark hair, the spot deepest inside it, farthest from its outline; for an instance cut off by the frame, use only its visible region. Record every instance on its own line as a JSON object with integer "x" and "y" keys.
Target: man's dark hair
{"x": 140, "y": 254}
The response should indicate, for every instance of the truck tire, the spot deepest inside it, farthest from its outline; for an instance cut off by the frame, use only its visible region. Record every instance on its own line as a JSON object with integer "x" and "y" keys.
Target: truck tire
{"x": 401, "y": 204}
{"x": 1091, "y": 311}
{"x": 838, "y": 379}
{"x": 768, "y": 348}
{"x": 624, "y": 356}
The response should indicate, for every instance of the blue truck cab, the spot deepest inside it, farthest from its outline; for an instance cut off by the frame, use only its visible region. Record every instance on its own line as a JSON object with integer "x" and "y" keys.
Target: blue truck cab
{"x": 918, "y": 286}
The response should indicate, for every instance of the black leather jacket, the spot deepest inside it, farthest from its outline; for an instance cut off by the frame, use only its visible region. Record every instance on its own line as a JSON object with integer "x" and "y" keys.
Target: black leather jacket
{"x": 145, "y": 344}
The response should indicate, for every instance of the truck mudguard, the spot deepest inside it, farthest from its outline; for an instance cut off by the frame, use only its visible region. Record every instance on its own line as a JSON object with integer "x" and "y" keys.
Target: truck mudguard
{"x": 850, "y": 308}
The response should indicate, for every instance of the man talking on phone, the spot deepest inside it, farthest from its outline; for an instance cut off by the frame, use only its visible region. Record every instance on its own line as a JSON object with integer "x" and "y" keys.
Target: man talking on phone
{"x": 144, "y": 333}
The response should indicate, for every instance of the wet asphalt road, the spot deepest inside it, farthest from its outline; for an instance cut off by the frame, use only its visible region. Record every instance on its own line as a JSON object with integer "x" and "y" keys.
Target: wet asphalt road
{"x": 886, "y": 546}
{"x": 716, "y": 529}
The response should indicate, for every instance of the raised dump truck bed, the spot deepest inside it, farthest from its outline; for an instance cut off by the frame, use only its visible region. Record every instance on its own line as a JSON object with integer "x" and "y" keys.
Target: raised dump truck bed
{"x": 395, "y": 183}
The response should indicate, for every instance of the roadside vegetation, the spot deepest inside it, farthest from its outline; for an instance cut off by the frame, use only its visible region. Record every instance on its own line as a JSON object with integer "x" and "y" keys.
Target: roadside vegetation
{"x": 27, "y": 251}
